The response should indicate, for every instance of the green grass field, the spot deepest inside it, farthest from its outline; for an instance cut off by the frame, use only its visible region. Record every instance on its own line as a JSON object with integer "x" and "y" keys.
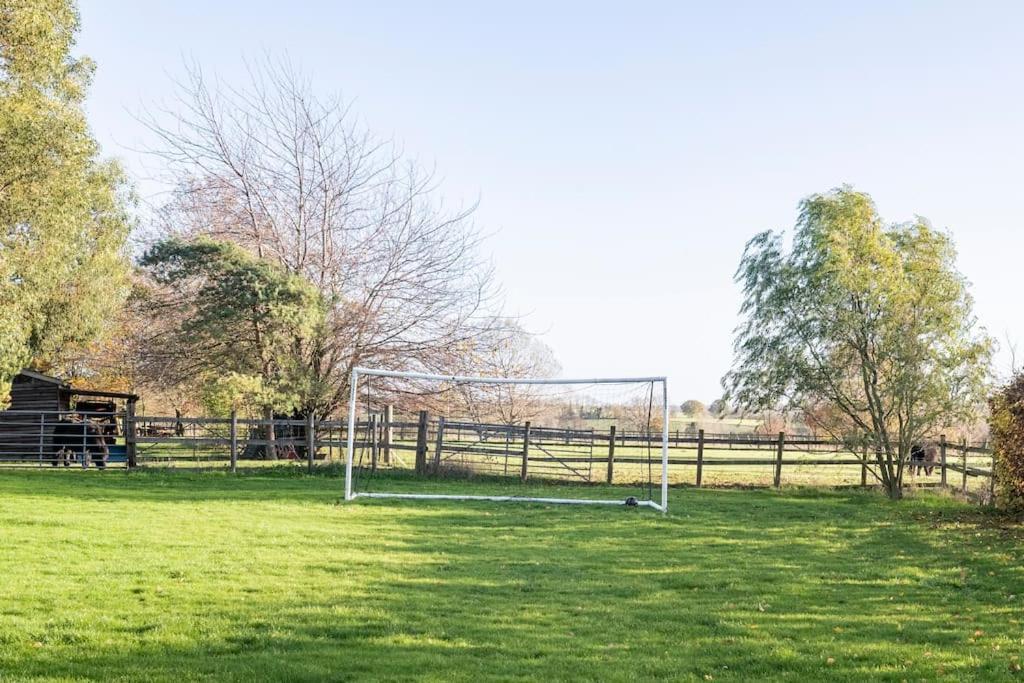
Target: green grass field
{"x": 177, "y": 576}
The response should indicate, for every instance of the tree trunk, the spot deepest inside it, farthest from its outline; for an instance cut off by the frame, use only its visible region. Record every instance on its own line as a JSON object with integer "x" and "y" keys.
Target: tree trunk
{"x": 894, "y": 480}
{"x": 888, "y": 475}
{"x": 271, "y": 447}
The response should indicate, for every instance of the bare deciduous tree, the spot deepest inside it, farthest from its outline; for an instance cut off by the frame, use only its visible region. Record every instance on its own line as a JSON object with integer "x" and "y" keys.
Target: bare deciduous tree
{"x": 509, "y": 351}
{"x": 641, "y": 413}
{"x": 294, "y": 178}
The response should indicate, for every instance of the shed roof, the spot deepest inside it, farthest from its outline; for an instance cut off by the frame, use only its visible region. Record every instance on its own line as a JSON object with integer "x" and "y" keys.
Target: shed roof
{"x": 71, "y": 391}
{"x": 41, "y": 377}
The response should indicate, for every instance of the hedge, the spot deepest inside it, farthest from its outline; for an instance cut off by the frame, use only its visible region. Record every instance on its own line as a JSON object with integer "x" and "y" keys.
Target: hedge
{"x": 1007, "y": 426}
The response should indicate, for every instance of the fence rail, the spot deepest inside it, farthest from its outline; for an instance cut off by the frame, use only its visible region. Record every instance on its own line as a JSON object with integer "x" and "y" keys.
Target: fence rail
{"x": 39, "y": 439}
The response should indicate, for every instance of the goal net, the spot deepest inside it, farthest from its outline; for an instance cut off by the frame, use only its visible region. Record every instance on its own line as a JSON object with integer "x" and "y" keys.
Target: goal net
{"x": 589, "y": 441}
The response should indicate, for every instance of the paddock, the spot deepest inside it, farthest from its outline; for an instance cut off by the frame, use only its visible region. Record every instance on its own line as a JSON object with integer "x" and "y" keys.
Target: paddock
{"x": 587, "y": 456}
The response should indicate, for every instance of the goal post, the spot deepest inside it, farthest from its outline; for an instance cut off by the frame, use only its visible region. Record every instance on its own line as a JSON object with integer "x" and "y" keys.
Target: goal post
{"x": 598, "y": 441}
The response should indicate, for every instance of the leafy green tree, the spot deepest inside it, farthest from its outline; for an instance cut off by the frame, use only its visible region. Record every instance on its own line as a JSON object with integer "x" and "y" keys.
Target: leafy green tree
{"x": 693, "y": 407}
{"x": 871, "y": 319}
{"x": 222, "y": 394}
{"x": 242, "y": 325}
{"x": 719, "y": 407}
{"x": 63, "y": 218}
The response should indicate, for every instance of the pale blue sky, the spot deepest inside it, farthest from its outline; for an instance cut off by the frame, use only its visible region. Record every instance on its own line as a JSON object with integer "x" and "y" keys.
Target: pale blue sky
{"x": 623, "y": 153}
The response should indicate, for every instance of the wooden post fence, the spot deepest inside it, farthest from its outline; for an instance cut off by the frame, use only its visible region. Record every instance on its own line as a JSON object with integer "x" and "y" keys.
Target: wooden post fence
{"x": 942, "y": 460}
{"x": 439, "y": 445}
{"x": 778, "y": 459}
{"x": 233, "y": 438}
{"x": 374, "y": 446}
{"x": 389, "y": 418}
{"x": 611, "y": 453}
{"x": 964, "y": 462}
{"x": 310, "y": 441}
{"x": 421, "y": 444}
{"x": 700, "y": 457}
{"x": 129, "y": 435}
{"x": 526, "y": 451}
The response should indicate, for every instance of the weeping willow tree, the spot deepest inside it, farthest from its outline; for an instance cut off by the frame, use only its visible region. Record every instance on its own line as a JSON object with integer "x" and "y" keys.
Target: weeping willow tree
{"x": 63, "y": 219}
{"x": 872, "y": 321}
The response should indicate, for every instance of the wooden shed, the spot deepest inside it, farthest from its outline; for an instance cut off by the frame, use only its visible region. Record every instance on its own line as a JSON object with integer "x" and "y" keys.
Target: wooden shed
{"x": 35, "y": 392}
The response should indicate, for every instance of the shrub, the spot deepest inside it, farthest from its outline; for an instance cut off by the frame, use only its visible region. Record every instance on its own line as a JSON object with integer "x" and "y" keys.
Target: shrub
{"x": 1007, "y": 424}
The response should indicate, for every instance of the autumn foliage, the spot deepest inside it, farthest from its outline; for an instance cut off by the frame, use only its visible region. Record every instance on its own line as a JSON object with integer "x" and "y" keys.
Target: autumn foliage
{"x": 1007, "y": 424}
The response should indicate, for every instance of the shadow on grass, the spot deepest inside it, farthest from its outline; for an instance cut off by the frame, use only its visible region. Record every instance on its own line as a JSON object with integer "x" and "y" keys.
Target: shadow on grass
{"x": 285, "y": 482}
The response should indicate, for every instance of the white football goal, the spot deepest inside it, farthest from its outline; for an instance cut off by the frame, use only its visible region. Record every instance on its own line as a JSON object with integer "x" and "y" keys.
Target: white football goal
{"x": 597, "y": 441}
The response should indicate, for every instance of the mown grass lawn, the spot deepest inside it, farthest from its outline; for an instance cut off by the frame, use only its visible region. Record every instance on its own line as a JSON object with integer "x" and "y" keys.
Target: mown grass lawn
{"x": 182, "y": 576}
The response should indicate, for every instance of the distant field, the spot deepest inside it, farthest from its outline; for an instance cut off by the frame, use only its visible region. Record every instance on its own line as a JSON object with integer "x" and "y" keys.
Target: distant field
{"x": 711, "y": 424}
{"x": 172, "y": 576}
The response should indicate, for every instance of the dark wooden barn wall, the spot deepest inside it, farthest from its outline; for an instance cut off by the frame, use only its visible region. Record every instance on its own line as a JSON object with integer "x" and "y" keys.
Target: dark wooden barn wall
{"x": 20, "y": 432}
{"x": 28, "y": 393}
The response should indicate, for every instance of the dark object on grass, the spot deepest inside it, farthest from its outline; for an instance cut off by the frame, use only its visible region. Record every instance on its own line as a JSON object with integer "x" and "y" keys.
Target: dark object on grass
{"x": 632, "y": 502}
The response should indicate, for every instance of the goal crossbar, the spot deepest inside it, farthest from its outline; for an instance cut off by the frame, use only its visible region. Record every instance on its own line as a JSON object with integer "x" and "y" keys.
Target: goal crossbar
{"x": 504, "y": 380}
{"x": 350, "y": 436}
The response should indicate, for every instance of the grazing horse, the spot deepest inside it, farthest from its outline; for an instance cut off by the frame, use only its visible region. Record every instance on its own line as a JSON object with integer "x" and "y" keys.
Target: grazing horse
{"x": 923, "y": 456}
{"x": 79, "y": 441}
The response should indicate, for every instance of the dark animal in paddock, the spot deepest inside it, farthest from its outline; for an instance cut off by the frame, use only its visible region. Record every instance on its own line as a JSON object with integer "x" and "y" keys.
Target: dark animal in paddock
{"x": 923, "y": 456}
{"x": 100, "y": 414}
{"x": 79, "y": 441}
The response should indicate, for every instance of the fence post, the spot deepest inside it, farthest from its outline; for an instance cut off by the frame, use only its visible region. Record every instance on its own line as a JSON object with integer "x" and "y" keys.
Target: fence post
{"x": 611, "y": 453}
{"x": 964, "y": 462}
{"x": 129, "y": 434}
{"x": 374, "y": 446}
{"x": 526, "y": 450}
{"x": 421, "y": 444}
{"x": 310, "y": 440}
{"x": 864, "y": 468}
{"x": 439, "y": 445}
{"x": 942, "y": 460}
{"x": 234, "y": 440}
{"x": 389, "y": 418}
{"x": 778, "y": 459}
{"x": 700, "y": 457}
